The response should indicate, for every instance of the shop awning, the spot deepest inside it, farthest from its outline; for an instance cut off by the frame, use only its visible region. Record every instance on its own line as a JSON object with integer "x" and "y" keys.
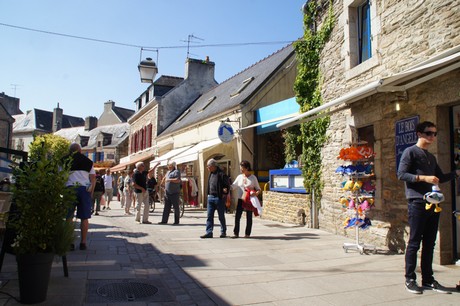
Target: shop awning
{"x": 434, "y": 67}
{"x": 124, "y": 166}
{"x": 267, "y": 117}
{"x": 192, "y": 153}
{"x": 163, "y": 159}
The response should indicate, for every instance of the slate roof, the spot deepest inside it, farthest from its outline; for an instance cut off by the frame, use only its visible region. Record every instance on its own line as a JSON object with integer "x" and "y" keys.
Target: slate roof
{"x": 219, "y": 99}
{"x": 119, "y": 133}
{"x": 37, "y": 119}
{"x": 123, "y": 113}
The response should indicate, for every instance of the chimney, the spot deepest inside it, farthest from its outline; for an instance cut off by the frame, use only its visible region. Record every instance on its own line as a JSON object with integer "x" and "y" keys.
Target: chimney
{"x": 57, "y": 118}
{"x": 90, "y": 123}
{"x": 202, "y": 70}
{"x": 108, "y": 105}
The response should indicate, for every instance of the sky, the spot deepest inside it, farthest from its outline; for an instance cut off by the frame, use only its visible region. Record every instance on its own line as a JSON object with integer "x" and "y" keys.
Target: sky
{"x": 43, "y": 69}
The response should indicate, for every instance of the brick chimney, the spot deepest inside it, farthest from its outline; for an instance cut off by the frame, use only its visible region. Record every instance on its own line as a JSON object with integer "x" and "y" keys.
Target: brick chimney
{"x": 90, "y": 123}
{"x": 57, "y": 118}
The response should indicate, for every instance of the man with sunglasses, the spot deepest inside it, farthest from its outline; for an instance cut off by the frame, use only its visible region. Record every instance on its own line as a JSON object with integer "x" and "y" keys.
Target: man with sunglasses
{"x": 419, "y": 170}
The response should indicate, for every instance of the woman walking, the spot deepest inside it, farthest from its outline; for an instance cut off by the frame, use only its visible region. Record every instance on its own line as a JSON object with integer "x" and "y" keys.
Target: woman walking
{"x": 247, "y": 186}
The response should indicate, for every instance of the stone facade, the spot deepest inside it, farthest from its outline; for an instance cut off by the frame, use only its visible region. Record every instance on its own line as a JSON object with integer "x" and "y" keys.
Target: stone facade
{"x": 406, "y": 33}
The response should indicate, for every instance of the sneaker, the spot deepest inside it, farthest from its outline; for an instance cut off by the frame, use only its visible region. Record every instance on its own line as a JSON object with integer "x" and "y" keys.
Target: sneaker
{"x": 435, "y": 286}
{"x": 412, "y": 287}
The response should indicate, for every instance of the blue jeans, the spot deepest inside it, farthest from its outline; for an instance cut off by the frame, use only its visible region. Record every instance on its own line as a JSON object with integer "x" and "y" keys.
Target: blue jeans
{"x": 213, "y": 204}
{"x": 423, "y": 229}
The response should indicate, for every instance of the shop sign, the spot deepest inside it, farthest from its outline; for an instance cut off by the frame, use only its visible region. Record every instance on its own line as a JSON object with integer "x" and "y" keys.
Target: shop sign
{"x": 225, "y": 132}
{"x": 406, "y": 135}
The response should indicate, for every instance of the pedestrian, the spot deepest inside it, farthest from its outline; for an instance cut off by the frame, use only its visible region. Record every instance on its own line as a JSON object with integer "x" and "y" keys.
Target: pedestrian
{"x": 120, "y": 185}
{"x": 217, "y": 189}
{"x": 98, "y": 193}
{"x": 142, "y": 195}
{"x": 172, "y": 183}
{"x": 128, "y": 191}
{"x": 419, "y": 170}
{"x": 82, "y": 177}
{"x": 108, "y": 185}
{"x": 245, "y": 183}
{"x": 152, "y": 187}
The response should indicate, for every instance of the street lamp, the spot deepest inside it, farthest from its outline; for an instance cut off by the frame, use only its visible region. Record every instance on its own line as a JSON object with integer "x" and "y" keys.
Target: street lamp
{"x": 148, "y": 70}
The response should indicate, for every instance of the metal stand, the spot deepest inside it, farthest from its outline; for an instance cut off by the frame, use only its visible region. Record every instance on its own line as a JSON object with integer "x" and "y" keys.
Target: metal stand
{"x": 361, "y": 247}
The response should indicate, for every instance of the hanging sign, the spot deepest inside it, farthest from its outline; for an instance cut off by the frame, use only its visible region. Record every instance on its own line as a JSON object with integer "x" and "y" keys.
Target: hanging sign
{"x": 406, "y": 136}
{"x": 225, "y": 132}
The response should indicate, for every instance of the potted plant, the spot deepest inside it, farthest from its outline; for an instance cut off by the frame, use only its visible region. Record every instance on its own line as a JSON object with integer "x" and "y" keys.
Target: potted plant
{"x": 42, "y": 201}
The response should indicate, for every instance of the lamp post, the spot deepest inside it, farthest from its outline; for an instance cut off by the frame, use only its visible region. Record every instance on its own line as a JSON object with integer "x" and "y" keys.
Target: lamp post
{"x": 148, "y": 70}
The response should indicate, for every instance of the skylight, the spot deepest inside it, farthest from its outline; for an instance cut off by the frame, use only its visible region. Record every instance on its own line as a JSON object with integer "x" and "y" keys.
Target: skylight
{"x": 183, "y": 115}
{"x": 210, "y": 100}
{"x": 243, "y": 86}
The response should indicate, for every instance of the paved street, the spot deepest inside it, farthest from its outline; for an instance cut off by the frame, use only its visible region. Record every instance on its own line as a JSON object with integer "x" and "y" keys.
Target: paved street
{"x": 281, "y": 264}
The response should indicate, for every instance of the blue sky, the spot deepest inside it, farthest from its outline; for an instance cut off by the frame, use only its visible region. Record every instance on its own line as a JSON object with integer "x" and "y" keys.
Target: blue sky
{"x": 43, "y": 70}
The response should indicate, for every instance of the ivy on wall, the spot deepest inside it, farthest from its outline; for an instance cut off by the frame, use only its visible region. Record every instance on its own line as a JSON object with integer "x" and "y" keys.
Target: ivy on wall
{"x": 310, "y": 136}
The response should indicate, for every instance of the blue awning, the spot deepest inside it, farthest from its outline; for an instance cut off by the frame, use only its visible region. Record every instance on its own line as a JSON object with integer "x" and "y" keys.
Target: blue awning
{"x": 268, "y": 116}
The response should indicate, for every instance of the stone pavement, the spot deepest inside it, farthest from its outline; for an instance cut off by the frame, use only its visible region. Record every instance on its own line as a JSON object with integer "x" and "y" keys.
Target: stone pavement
{"x": 281, "y": 264}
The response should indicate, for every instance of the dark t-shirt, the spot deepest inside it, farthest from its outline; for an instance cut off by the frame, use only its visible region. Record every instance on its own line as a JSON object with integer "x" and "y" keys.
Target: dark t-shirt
{"x": 416, "y": 161}
{"x": 140, "y": 178}
{"x": 99, "y": 184}
{"x": 151, "y": 183}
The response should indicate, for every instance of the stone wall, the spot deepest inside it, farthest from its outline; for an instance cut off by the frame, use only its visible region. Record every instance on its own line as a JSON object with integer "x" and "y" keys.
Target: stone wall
{"x": 408, "y": 33}
{"x": 284, "y": 207}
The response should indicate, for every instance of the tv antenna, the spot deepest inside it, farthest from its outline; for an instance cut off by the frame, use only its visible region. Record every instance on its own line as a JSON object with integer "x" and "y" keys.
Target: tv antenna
{"x": 14, "y": 87}
{"x": 191, "y": 39}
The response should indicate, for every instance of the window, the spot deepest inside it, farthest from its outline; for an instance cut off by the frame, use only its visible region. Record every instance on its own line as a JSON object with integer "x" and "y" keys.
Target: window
{"x": 361, "y": 31}
{"x": 242, "y": 87}
{"x": 364, "y": 32}
{"x": 207, "y": 104}
{"x": 183, "y": 115}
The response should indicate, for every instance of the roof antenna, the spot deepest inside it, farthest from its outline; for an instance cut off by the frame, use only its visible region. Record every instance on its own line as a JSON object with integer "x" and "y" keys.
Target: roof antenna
{"x": 189, "y": 40}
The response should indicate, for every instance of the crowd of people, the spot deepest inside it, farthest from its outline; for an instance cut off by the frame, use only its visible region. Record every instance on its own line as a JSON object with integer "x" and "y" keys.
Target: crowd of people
{"x": 134, "y": 188}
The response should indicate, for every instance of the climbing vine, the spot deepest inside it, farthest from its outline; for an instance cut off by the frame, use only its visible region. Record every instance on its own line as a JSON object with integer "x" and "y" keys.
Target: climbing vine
{"x": 310, "y": 136}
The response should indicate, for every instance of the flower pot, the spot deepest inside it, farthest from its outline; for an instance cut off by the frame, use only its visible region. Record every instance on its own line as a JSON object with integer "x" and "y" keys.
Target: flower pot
{"x": 34, "y": 274}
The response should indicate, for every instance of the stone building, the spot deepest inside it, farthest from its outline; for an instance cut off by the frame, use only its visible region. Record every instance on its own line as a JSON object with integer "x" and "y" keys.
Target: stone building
{"x": 38, "y": 122}
{"x": 103, "y": 140}
{"x": 405, "y": 71}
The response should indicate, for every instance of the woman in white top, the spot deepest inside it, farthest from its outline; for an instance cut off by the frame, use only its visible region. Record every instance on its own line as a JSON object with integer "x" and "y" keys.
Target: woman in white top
{"x": 249, "y": 183}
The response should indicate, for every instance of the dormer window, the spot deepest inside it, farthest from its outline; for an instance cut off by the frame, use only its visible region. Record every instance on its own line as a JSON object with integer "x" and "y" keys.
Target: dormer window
{"x": 243, "y": 86}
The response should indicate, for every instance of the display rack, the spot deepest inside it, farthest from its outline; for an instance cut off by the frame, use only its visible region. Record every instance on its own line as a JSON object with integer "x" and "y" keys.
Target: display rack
{"x": 359, "y": 191}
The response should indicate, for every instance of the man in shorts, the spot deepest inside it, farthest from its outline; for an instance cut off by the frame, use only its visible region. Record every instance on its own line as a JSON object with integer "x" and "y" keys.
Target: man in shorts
{"x": 82, "y": 178}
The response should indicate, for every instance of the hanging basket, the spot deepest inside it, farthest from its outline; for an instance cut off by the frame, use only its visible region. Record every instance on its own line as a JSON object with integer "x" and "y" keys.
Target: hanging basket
{"x": 34, "y": 274}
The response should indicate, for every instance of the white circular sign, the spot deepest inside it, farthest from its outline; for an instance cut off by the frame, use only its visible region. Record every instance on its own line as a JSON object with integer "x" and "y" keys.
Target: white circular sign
{"x": 225, "y": 132}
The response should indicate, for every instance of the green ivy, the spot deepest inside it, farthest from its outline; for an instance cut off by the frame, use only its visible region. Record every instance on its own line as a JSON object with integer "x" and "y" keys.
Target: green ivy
{"x": 310, "y": 136}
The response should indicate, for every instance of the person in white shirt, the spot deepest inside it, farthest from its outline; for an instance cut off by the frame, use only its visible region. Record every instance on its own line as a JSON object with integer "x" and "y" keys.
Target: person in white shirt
{"x": 108, "y": 184}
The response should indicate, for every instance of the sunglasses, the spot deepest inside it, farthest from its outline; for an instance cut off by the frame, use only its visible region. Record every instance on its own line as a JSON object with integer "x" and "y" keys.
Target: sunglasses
{"x": 430, "y": 133}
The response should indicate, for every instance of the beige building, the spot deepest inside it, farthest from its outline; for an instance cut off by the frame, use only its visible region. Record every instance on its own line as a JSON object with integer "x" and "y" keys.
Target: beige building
{"x": 407, "y": 70}
{"x": 227, "y": 123}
